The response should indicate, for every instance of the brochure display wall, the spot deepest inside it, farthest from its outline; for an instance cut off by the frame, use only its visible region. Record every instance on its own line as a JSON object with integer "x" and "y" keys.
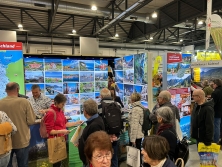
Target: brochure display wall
{"x": 178, "y": 83}
{"x": 131, "y": 76}
{"x": 79, "y": 80}
{"x": 11, "y": 65}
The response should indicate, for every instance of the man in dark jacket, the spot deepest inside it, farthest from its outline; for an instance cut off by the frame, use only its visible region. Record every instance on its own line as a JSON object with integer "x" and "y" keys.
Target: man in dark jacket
{"x": 202, "y": 118}
{"x": 94, "y": 123}
{"x": 217, "y": 96}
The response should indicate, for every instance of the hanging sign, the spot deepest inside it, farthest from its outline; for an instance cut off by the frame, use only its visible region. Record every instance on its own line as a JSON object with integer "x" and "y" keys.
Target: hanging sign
{"x": 174, "y": 57}
{"x": 206, "y": 64}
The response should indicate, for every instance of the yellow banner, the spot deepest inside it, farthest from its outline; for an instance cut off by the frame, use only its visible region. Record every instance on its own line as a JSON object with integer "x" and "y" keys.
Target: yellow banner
{"x": 208, "y": 56}
{"x": 216, "y": 34}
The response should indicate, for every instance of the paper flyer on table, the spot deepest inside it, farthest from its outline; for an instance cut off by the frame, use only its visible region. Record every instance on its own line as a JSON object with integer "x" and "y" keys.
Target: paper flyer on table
{"x": 77, "y": 135}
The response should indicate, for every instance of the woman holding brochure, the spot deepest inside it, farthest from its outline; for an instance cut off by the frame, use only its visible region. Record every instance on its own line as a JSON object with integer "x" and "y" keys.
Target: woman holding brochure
{"x": 56, "y": 122}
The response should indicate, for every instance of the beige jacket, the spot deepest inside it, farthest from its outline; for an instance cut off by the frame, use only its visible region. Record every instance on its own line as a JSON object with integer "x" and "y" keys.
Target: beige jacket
{"x": 135, "y": 119}
{"x": 20, "y": 112}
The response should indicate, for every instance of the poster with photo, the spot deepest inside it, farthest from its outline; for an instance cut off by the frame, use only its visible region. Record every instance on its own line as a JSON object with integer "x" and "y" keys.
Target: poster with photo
{"x": 119, "y": 76}
{"x": 86, "y": 65}
{"x": 72, "y": 99}
{"x": 86, "y": 76}
{"x": 128, "y": 76}
{"x": 72, "y": 110}
{"x": 53, "y": 77}
{"x": 118, "y": 62}
{"x": 70, "y": 65}
{"x": 70, "y": 88}
{"x": 33, "y": 64}
{"x": 101, "y": 76}
{"x": 128, "y": 62}
{"x": 86, "y": 87}
{"x": 100, "y": 85}
{"x": 34, "y": 77}
{"x": 97, "y": 97}
{"x": 140, "y": 69}
{"x": 120, "y": 91}
{"x": 53, "y": 88}
{"x": 53, "y": 65}
{"x": 101, "y": 65}
{"x": 86, "y": 96}
{"x": 70, "y": 76}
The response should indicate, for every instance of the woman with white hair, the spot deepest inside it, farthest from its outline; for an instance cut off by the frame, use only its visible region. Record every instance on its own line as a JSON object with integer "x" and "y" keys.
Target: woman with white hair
{"x": 166, "y": 129}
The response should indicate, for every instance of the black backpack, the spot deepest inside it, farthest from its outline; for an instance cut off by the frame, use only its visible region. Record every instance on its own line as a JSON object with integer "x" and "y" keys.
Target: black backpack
{"x": 112, "y": 117}
{"x": 147, "y": 123}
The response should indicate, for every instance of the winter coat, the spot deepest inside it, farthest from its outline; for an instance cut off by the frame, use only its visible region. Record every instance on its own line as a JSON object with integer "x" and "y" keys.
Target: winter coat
{"x": 135, "y": 119}
{"x": 217, "y": 96}
{"x": 207, "y": 90}
{"x": 202, "y": 122}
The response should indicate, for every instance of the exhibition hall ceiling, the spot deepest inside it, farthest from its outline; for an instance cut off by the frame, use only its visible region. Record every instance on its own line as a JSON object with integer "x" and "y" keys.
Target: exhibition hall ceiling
{"x": 176, "y": 22}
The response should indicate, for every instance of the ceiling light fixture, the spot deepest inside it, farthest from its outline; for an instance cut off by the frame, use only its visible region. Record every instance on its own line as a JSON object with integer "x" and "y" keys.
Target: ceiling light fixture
{"x": 117, "y": 35}
{"x": 20, "y": 26}
{"x": 74, "y": 31}
{"x": 181, "y": 40}
{"x": 154, "y": 15}
{"x": 200, "y": 22}
{"x": 151, "y": 38}
{"x": 94, "y": 7}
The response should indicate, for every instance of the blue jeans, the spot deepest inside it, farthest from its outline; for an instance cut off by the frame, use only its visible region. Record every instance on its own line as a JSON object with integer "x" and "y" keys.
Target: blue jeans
{"x": 4, "y": 160}
{"x": 114, "y": 160}
{"x": 22, "y": 156}
{"x": 217, "y": 129}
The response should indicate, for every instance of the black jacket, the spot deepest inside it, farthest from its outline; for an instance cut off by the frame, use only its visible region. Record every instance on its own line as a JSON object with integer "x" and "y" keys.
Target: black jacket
{"x": 168, "y": 163}
{"x": 202, "y": 122}
{"x": 92, "y": 126}
{"x": 217, "y": 96}
{"x": 117, "y": 99}
{"x": 171, "y": 136}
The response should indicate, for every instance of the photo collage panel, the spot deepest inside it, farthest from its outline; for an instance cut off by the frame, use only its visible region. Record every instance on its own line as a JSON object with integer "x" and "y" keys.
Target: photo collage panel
{"x": 131, "y": 76}
{"x": 78, "y": 80}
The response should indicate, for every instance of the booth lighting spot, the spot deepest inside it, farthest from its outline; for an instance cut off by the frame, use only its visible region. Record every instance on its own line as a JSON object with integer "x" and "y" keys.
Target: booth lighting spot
{"x": 94, "y": 7}
{"x": 117, "y": 35}
{"x": 151, "y": 38}
{"x": 181, "y": 40}
{"x": 200, "y": 22}
{"x": 74, "y": 31}
{"x": 20, "y": 26}
{"x": 154, "y": 15}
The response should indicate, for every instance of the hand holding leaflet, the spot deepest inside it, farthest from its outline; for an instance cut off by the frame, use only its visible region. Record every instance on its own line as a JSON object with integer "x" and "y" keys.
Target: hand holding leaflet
{"x": 77, "y": 134}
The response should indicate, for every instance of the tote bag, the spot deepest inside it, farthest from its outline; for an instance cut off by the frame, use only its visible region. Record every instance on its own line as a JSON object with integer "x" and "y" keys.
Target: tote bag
{"x": 133, "y": 156}
{"x": 57, "y": 149}
{"x": 178, "y": 130}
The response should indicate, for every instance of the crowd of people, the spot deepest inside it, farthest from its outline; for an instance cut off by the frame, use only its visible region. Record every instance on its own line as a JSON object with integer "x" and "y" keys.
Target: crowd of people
{"x": 98, "y": 145}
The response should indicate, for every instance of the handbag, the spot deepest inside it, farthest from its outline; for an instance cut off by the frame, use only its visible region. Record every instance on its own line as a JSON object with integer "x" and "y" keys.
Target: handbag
{"x": 178, "y": 130}
{"x": 179, "y": 162}
{"x": 56, "y": 149}
{"x": 5, "y": 138}
{"x": 133, "y": 156}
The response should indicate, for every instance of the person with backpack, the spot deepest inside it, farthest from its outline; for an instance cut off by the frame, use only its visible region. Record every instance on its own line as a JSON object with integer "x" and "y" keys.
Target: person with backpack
{"x": 6, "y": 126}
{"x": 56, "y": 122}
{"x": 111, "y": 113}
{"x": 135, "y": 119}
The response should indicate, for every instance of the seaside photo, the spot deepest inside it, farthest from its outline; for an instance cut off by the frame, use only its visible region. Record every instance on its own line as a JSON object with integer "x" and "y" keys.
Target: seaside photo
{"x": 53, "y": 65}
{"x": 86, "y": 76}
{"x": 70, "y": 76}
{"x": 70, "y": 65}
{"x": 72, "y": 99}
{"x": 86, "y": 65}
{"x": 128, "y": 62}
{"x": 118, "y": 63}
{"x": 87, "y": 87}
{"x": 86, "y": 96}
{"x": 97, "y": 97}
{"x": 100, "y": 85}
{"x": 72, "y": 110}
{"x": 119, "y": 76}
{"x": 128, "y": 89}
{"x": 101, "y": 65}
{"x": 70, "y": 88}
{"x": 28, "y": 88}
{"x": 53, "y": 77}
{"x": 33, "y": 64}
{"x": 101, "y": 76}
{"x": 34, "y": 77}
{"x": 128, "y": 76}
{"x": 140, "y": 68}
{"x": 53, "y": 89}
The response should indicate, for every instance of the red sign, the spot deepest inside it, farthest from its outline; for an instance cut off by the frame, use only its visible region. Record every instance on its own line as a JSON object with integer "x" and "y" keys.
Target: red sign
{"x": 179, "y": 91}
{"x": 174, "y": 57}
{"x": 10, "y": 46}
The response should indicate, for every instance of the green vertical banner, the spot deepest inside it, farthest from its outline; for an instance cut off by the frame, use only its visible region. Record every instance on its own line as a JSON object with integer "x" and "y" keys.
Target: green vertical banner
{"x": 11, "y": 65}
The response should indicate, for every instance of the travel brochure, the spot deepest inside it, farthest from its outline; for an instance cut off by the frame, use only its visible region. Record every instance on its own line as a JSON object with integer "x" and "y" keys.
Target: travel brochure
{"x": 131, "y": 76}
{"x": 78, "y": 80}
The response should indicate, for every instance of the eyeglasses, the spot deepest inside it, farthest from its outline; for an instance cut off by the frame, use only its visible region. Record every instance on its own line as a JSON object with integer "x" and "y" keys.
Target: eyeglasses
{"x": 100, "y": 158}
